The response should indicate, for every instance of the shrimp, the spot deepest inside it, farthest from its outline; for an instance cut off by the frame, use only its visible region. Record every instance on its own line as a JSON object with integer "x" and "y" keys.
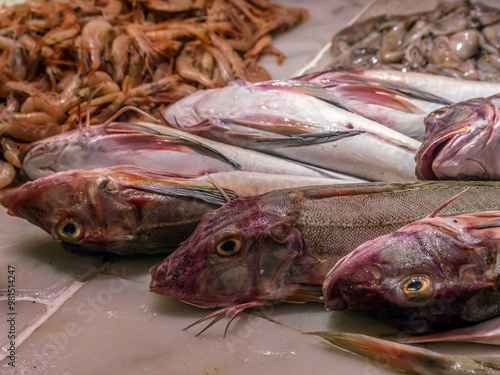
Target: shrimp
{"x": 95, "y": 34}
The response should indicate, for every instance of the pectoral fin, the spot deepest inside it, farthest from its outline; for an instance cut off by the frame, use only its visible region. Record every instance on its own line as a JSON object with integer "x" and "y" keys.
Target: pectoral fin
{"x": 161, "y": 184}
{"x": 264, "y": 142}
{"x": 160, "y": 135}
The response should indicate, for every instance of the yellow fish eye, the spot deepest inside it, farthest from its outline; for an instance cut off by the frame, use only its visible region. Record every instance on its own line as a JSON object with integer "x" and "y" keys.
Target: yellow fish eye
{"x": 69, "y": 230}
{"x": 229, "y": 243}
{"x": 439, "y": 112}
{"x": 417, "y": 287}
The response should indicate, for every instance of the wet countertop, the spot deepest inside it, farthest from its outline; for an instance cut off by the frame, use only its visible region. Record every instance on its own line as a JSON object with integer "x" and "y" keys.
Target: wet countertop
{"x": 79, "y": 314}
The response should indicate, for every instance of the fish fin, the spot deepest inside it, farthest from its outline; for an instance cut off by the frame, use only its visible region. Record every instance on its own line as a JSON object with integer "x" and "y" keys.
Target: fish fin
{"x": 259, "y": 141}
{"x": 120, "y": 128}
{"x": 337, "y": 79}
{"x": 232, "y": 311}
{"x": 153, "y": 182}
{"x": 219, "y": 188}
{"x": 409, "y": 358}
{"x": 487, "y": 332}
{"x": 436, "y": 211}
{"x": 379, "y": 96}
{"x": 301, "y": 293}
{"x": 308, "y": 88}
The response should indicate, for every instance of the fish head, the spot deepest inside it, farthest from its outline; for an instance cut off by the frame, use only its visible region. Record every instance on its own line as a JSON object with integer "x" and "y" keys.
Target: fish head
{"x": 239, "y": 253}
{"x": 83, "y": 210}
{"x": 454, "y": 138}
{"x": 417, "y": 279}
{"x": 57, "y": 153}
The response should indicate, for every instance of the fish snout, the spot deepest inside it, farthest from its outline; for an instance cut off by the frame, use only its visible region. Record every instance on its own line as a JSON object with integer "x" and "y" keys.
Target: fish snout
{"x": 166, "y": 277}
{"x": 9, "y": 199}
{"x": 335, "y": 300}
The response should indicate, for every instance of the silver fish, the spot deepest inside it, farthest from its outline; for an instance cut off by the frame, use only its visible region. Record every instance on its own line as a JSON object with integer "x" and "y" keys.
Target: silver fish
{"x": 294, "y": 119}
{"x": 153, "y": 147}
{"x": 390, "y": 103}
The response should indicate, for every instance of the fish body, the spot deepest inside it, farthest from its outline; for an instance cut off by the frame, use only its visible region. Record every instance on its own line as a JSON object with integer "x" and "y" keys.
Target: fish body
{"x": 280, "y": 246}
{"x": 452, "y": 89}
{"x": 294, "y": 119}
{"x": 125, "y": 210}
{"x": 152, "y": 147}
{"x": 434, "y": 274}
{"x": 396, "y": 105}
{"x": 462, "y": 141}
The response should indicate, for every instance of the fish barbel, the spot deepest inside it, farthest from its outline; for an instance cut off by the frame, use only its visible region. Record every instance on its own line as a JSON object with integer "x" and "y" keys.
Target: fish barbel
{"x": 153, "y": 147}
{"x": 281, "y": 245}
{"x": 127, "y": 210}
{"x": 461, "y": 142}
{"x": 412, "y": 359}
{"x": 295, "y": 119}
{"x": 434, "y": 274}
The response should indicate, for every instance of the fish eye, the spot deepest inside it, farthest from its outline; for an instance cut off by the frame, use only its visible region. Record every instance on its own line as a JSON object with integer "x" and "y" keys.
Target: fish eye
{"x": 69, "y": 230}
{"x": 109, "y": 185}
{"x": 228, "y": 244}
{"x": 439, "y": 112}
{"x": 417, "y": 287}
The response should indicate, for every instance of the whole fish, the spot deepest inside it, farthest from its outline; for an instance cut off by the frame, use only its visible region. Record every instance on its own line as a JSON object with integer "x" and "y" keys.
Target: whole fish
{"x": 434, "y": 274}
{"x": 451, "y": 89}
{"x": 412, "y": 359}
{"x": 126, "y": 210}
{"x": 395, "y": 105}
{"x": 280, "y": 246}
{"x": 295, "y": 119}
{"x": 153, "y": 147}
{"x": 461, "y": 142}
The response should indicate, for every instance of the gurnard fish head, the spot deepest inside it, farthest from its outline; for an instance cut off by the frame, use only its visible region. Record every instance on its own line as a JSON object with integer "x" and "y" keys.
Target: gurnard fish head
{"x": 239, "y": 253}
{"x": 82, "y": 210}
{"x": 116, "y": 210}
{"x": 455, "y": 137}
{"x": 425, "y": 277}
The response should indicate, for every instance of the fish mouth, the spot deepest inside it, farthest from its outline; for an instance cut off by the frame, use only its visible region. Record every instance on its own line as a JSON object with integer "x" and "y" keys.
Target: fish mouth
{"x": 426, "y": 158}
{"x": 346, "y": 278}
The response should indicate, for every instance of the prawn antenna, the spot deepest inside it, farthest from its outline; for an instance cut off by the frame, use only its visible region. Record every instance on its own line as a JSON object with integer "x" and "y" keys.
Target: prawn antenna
{"x": 89, "y": 101}
{"x": 130, "y": 108}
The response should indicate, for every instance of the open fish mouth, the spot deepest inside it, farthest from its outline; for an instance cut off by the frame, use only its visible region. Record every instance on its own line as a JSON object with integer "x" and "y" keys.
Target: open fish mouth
{"x": 425, "y": 159}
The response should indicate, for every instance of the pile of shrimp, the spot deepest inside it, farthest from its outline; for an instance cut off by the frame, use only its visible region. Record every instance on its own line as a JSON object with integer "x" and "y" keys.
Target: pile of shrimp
{"x": 458, "y": 38}
{"x": 59, "y": 55}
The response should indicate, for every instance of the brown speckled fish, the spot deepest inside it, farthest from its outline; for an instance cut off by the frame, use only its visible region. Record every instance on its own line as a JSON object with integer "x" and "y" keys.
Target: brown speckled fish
{"x": 281, "y": 245}
{"x": 128, "y": 210}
